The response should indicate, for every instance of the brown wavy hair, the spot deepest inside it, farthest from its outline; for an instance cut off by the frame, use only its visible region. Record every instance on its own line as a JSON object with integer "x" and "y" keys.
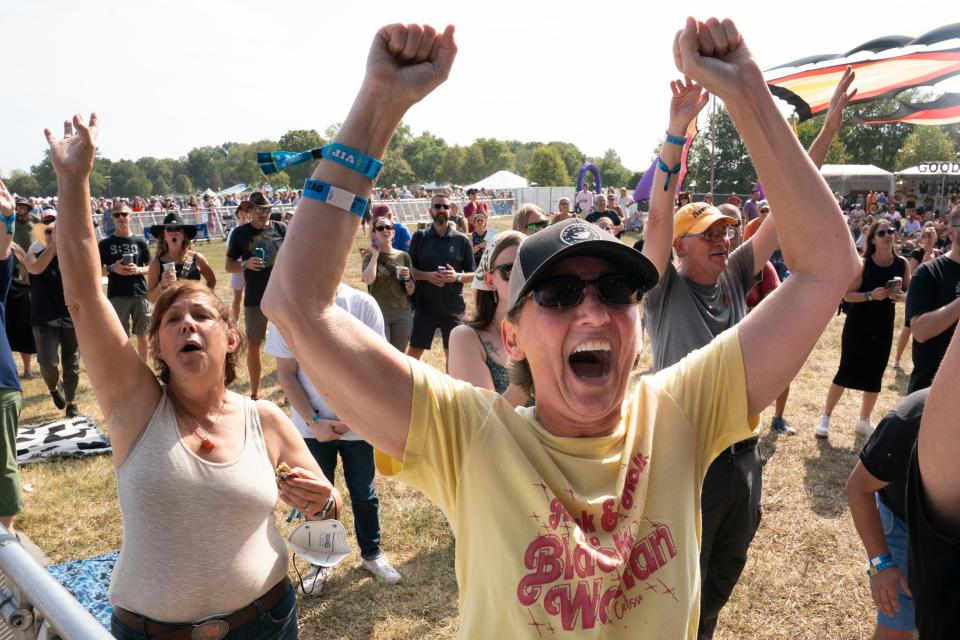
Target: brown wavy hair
{"x": 162, "y": 247}
{"x": 170, "y": 295}
{"x": 870, "y": 248}
{"x": 485, "y": 302}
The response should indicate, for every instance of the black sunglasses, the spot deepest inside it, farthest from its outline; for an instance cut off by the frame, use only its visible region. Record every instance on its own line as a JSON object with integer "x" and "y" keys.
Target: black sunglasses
{"x": 882, "y": 232}
{"x": 384, "y": 228}
{"x": 48, "y": 232}
{"x": 533, "y": 227}
{"x": 441, "y": 206}
{"x": 121, "y": 214}
{"x": 565, "y": 292}
{"x": 504, "y": 270}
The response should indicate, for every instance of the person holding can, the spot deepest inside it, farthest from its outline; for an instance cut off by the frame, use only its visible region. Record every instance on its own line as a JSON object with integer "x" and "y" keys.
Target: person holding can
{"x": 174, "y": 259}
{"x": 386, "y": 272}
{"x": 252, "y": 249}
{"x": 124, "y": 258}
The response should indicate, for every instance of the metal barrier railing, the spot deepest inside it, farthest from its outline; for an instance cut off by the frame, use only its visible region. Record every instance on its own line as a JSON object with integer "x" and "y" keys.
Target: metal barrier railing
{"x": 34, "y": 605}
{"x": 417, "y": 210}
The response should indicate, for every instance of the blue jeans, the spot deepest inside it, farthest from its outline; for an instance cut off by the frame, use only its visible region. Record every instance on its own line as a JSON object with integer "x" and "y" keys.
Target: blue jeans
{"x": 277, "y": 623}
{"x": 895, "y": 531}
{"x": 358, "y": 472}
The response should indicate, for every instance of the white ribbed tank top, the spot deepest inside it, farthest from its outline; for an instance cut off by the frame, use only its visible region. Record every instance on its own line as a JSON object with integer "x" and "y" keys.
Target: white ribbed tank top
{"x": 199, "y": 537}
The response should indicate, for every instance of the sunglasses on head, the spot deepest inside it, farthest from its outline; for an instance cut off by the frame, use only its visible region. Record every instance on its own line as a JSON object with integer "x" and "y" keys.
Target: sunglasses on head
{"x": 384, "y": 227}
{"x": 533, "y": 227}
{"x": 121, "y": 214}
{"x": 439, "y": 206}
{"x": 565, "y": 292}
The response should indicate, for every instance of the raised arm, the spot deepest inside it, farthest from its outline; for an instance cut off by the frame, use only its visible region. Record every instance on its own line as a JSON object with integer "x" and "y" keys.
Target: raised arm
{"x": 8, "y": 208}
{"x": 775, "y": 338}
{"x": 405, "y": 63}
{"x": 119, "y": 377}
{"x": 938, "y": 445}
{"x": 688, "y": 100}
{"x": 765, "y": 241}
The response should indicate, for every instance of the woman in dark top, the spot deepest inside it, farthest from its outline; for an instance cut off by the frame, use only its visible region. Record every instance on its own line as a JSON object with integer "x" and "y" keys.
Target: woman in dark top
{"x": 926, "y": 252}
{"x": 868, "y": 331}
{"x": 173, "y": 247}
{"x": 476, "y": 348}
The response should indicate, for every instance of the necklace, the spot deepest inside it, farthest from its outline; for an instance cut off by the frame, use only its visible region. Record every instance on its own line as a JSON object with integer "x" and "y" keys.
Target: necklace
{"x": 206, "y": 442}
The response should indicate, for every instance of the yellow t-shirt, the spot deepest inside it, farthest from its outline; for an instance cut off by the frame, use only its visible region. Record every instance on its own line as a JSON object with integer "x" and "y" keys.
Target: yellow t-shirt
{"x": 577, "y": 537}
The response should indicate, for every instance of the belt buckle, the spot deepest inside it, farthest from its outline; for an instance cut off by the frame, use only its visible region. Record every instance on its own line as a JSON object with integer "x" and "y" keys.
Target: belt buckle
{"x": 210, "y": 630}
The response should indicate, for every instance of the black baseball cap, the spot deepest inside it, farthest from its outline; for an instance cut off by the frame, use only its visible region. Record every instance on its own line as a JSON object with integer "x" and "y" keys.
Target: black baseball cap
{"x": 568, "y": 239}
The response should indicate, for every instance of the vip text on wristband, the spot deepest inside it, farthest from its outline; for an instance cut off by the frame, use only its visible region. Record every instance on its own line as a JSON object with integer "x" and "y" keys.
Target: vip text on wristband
{"x": 340, "y": 198}
{"x": 353, "y": 159}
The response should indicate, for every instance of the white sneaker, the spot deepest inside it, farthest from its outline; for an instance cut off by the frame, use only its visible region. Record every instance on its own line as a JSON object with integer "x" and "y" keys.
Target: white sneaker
{"x": 381, "y": 569}
{"x": 864, "y": 428}
{"x": 312, "y": 583}
{"x": 823, "y": 427}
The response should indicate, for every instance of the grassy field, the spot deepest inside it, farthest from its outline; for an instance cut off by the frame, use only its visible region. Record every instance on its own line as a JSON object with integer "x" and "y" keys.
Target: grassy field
{"x": 804, "y": 579}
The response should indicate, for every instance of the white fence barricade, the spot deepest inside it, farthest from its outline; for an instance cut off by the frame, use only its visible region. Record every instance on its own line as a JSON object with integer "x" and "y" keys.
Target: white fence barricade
{"x": 417, "y": 210}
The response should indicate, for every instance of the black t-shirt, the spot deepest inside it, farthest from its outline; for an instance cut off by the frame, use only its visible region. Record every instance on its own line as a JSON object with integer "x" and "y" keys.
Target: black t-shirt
{"x": 936, "y": 283}
{"x": 429, "y": 251}
{"x": 46, "y": 295}
{"x": 886, "y": 455}
{"x": 934, "y": 565}
{"x": 112, "y": 249}
{"x": 243, "y": 241}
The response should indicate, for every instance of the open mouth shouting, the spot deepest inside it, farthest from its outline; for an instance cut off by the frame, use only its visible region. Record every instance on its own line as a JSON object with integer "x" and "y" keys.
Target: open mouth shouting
{"x": 591, "y": 360}
{"x": 191, "y": 346}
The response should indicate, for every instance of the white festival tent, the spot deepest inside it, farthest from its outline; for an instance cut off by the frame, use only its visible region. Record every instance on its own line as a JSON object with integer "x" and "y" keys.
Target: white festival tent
{"x": 846, "y": 178}
{"x": 500, "y": 180}
{"x": 939, "y": 169}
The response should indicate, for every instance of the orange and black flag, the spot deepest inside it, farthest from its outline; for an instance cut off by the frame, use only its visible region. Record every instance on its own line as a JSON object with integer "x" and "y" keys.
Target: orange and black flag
{"x": 885, "y": 67}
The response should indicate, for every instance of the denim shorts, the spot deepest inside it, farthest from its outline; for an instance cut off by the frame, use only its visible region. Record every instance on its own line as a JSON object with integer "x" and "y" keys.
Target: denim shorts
{"x": 277, "y": 623}
{"x": 895, "y": 531}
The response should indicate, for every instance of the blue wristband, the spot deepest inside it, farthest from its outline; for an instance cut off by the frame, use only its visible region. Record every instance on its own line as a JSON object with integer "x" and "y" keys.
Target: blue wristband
{"x": 667, "y": 170}
{"x": 8, "y": 222}
{"x": 353, "y": 159}
{"x": 675, "y": 140}
{"x": 340, "y": 198}
{"x": 880, "y": 563}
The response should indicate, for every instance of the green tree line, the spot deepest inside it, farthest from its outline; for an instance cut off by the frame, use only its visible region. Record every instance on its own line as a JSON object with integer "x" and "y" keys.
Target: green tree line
{"x": 892, "y": 146}
{"x": 410, "y": 160}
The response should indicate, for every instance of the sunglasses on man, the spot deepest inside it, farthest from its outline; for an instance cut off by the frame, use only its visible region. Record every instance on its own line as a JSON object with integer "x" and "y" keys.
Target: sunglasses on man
{"x": 441, "y": 207}
{"x": 566, "y": 292}
{"x": 383, "y": 227}
{"x": 120, "y": 214}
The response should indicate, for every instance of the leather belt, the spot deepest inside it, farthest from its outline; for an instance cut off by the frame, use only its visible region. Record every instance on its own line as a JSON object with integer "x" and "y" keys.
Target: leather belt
{"x": 744, "y": 446}
{"x": 212, "y": 629}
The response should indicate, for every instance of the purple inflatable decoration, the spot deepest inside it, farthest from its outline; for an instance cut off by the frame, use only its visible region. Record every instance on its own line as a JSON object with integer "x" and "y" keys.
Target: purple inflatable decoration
{"x": 596, "y": 176}
{"x": 759, "y": 187}
{"x": 645, "y": 186}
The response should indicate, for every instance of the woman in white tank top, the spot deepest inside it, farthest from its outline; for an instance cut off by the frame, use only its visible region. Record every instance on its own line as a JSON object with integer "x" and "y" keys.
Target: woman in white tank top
{"x": 195, "y": 462}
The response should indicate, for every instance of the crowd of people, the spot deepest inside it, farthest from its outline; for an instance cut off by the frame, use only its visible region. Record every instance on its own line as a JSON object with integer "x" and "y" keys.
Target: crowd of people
{"x": 559, "y": 478}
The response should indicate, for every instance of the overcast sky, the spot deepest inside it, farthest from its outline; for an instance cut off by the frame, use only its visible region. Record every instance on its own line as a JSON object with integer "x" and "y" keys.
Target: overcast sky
{"x": 169, "y": 76}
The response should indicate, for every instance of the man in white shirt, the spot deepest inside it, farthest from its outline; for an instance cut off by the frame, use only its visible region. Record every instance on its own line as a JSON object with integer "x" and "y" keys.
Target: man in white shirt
{"x": 584, "y": 201}
{"x": 326, "y": 437}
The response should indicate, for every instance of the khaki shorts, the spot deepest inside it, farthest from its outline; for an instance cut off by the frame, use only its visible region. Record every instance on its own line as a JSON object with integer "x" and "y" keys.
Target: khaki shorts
{"x": 133, "y": 310}
{"x": 255, "y": 323}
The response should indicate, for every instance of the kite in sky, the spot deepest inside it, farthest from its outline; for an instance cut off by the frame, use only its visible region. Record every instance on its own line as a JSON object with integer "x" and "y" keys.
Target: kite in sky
{"x": 885, "y": 67}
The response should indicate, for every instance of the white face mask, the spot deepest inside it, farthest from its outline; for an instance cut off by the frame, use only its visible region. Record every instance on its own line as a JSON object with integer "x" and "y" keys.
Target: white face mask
{"x": 320, "y": 542}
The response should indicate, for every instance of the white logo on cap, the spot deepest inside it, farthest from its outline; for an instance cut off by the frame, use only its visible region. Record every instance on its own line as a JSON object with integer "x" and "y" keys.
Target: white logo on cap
{"x": 579, "y": 232}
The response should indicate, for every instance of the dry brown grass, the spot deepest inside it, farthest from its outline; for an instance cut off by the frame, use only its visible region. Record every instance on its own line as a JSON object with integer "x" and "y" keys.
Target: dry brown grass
{"x": 804, "y": 578}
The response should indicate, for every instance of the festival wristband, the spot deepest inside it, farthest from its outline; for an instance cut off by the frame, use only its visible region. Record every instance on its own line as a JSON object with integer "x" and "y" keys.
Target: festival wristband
{"x": 880, "y": 563}
{"x": 353, "y": 159}
{"x": 323, "y": 512}
{"x": 675, "y": 140}
{"x": 340, "y": 198}
{"x": 8, "y": 222}
{"x": 667, "y": 170}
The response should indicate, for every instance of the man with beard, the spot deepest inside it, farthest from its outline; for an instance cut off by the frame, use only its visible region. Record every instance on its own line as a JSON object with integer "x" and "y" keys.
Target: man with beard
{"x": 252, "y": 251}
{"x": 443, "y": 259}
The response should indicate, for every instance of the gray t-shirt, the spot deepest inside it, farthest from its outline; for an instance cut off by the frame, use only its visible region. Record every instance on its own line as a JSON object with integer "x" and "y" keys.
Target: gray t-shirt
{"x": 681, "y": 315}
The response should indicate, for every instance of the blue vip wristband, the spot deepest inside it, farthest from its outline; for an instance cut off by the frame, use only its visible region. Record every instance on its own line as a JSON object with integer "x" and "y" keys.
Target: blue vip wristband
{"x": 353, "y": 159}
{"x": 8, "y": 222}
{"x": 340, "y": 198}
{"x": 675, "y": 140}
